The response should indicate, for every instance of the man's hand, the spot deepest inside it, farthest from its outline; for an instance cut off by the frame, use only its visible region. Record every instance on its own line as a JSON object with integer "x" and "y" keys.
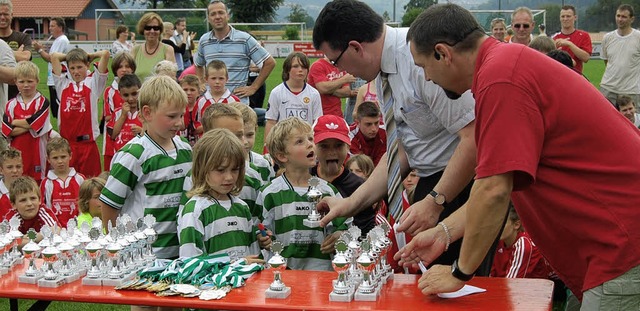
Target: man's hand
{"x": 563, "y": 42}
{"x": 334, "y": 208}
{"x": 437, "y": 280}
{"x": 329, "y": 244}
{"x": 426, "y": 247}
{"x": 36, "y": 45}
{"x": 420, "y": 216}
{"x": 244, "y": 91}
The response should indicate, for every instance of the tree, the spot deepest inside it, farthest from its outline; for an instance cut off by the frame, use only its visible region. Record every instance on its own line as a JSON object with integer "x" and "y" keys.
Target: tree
{"x": 386, "y": 16}
{"x": 553, "y": 18}
{"x": 410, "y": 16}
{"x": 300, "y": 15}
{"x": 253, "y": 11}
{"x": 165, "y": 4}
{"x": 418, "y": 4}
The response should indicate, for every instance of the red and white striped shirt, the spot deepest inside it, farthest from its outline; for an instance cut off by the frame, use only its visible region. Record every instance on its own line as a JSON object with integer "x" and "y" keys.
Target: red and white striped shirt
{"x": 43, "y": 217}
{"x": 61, "y": 196}
{"x": 520, "y": 260}
{"x": 207, "y": 100}
{"x": 112, "y": 101}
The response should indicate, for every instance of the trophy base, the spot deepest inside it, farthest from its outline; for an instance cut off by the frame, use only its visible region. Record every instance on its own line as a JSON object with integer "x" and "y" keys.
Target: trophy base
{"x": 29, "y": 279}
{"x": 366, "y": 296}
{"x": 118, "y": 282}
{"x": 71, "y": 278}
{"x": 51, "y": 283}
{"x": 4, "y": 270}
{"x": 281, "y": 294}
{"x": 348, "y": 297}
{"x": 311, "y": 223}
{"x": 91, "y": 281}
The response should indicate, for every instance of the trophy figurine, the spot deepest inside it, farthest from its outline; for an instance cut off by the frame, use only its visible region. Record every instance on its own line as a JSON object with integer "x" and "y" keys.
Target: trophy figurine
{"x": 113, "y": 251}
{"x": 341, "y": 290}
{"x": 277, "y": 289}
{"x": 7, "y": 244}
{"x": 30, "y": 251}
{"x": 366, "y": 290}
{"x": 14, "y": 223}
{"x": 93, "y": 252}
{"x": 152, "y": 235}
{"x": 314, "y": 195}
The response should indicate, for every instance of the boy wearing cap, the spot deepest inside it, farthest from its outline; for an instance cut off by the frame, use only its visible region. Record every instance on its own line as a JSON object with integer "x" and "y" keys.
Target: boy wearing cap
{"x": 285, "y": 204}
{"x": 331, "y": 137}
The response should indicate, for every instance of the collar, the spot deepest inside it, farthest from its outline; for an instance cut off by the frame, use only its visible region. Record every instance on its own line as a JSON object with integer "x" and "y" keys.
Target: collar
{"x": 388, "y": 63}
{"x": 52, "y": 175}
{"x": 229, "y": 35}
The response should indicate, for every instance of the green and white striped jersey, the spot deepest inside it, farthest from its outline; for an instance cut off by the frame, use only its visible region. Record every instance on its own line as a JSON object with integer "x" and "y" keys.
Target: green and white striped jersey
{"x": 146, "y": 179}
{"x": 262, "y": 166}
{"x": 285, "y": 207}
{"x": 209, "y": 226}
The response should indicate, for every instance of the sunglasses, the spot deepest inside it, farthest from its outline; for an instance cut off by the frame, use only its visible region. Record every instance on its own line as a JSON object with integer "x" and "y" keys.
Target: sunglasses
{"x": 335, "y": 62}
{"x": 525, "y": 26}
{"x": 149, "y": 28}
{"x": 497, "y": 19}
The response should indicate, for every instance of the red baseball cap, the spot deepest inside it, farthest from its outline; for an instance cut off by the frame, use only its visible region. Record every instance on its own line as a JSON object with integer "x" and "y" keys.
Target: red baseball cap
{"x": 330, "y": 126}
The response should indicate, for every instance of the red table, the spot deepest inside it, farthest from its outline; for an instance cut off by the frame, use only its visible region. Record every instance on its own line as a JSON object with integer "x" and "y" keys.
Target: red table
{"x": 310, "y": 291}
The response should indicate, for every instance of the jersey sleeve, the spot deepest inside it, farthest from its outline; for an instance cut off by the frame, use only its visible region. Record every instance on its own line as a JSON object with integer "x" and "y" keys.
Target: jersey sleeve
{"x": 521, "y": 259}
{"x": 123, "y": 178}
{"x": 191, "y": 230}
{"x": 316, "y": 106}
{"x": 7, "y": 118}
{"x": 273, "y": 111}
{"x": 40, "y": 118}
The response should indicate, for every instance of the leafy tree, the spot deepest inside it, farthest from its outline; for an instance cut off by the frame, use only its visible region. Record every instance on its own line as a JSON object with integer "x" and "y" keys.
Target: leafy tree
{"x": 162, "y": 4}
{"x": 418, "y": 4}
{"x": 253, "y": 11}
{"x": 601, "y": 15}
{"x": 553, "y": 18}
{"x": 300, "y": 15}
{"x": 386, "y": 16}
{"x": 410, "y": 16}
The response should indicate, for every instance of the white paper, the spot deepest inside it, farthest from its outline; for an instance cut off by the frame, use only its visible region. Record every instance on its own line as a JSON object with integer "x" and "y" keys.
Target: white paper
{"x": 464, "y": 291}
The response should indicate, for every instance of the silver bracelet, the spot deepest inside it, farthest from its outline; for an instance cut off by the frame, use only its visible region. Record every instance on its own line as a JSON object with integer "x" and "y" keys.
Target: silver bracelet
{"x": 446, "y": 231}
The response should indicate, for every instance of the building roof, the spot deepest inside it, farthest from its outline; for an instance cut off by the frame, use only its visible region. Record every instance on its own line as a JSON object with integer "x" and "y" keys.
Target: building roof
{"x": 48, "y": 8}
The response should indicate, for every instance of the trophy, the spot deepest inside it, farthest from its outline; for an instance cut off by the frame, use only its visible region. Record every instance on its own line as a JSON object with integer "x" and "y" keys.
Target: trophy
{"x": 366, "y": 290}
{"x": 50, "y": 254}
{"x": 314, "y": 195}
{"x": 6, "y": 242}
{"x": 66, "y": 252}
{"x": 113, "y": 251}
{"x": 277, "y": 289}
{"x": 93, "y": 252}
{"x": 139, "y": 246}
{"x": 152, "y": 235}
{"x": 30, "y": 251}
{"x": 341, "y": 290}
{"x": 14, "y": 223}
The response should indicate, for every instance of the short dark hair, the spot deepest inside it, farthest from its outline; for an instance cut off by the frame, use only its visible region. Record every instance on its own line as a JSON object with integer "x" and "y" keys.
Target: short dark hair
{"x": 341, "y": 21}
{"x": 121, "y": 57}
{"x": 562, "y": 57}
{"x": 180, "y": 20}
{"x": 626, "y": 7}
{"x": 624, "y": 100}
{"x": 288, "y": 62}
{"x": 120, "y": 29}
{"x": 569, "y": 7}
{"x": 444, "y": 23}
{"x": 60, "y": 22}
{"x": 367, "y": 109}
{"x": 129, "y": 80}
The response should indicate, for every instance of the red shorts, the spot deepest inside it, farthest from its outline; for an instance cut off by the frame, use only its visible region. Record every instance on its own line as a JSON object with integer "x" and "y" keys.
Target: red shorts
{"x": 85, "y": 158}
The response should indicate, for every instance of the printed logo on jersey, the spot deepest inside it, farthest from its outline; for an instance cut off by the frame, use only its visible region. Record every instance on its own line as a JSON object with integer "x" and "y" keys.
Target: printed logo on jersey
{"x": 306, "y": 100}
{"x": 297, "y": 112}
{"x": 75, "y": 102}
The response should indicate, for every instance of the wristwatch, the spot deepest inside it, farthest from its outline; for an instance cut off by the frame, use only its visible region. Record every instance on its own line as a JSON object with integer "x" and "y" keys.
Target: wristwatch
{"x": 439, "y": 198}
{"x": 455, "y": 271}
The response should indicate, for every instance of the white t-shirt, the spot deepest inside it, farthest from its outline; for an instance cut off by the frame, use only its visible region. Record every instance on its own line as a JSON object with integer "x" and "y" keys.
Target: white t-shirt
{"x": 622, "y": 74}
{"x": 6, "y": 59}
{"x": 284, "y": 104}
{"x": 60, "y": 45}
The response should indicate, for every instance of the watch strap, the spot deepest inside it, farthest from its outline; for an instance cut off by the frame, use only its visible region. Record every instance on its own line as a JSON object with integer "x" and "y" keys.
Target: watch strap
{"x": 455, "y": 271}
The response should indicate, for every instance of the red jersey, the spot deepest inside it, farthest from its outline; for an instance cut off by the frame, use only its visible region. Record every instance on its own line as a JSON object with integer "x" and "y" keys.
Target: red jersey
{"x": 374, "y": 148}
{"x": 322, "y": 71}
{"x": 34, "y": 143}
{"x": 61, "y": 196}
{"x": 206, "y": 100}
{"x": 520, "y": 260}
{"x": 126, "y": 133}
{"x": 581, "y": 39}
{"x": 191, "y": 123}
{"x": 78, "y": 110}
{"x": 577, "y": 199}
{"x": 5, "y": 202}
{"x": 112, "y": 101}
{"x": 43, "y": 217}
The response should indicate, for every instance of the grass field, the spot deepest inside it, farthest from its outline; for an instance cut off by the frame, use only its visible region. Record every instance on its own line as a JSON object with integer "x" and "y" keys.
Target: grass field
{"x": 593, "y": 70}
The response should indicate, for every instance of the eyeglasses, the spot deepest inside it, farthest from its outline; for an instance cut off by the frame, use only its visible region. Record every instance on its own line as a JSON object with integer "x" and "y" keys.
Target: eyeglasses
{"x": 525, "y": 26}
{"x": 149, "y": 28}
{"x": 335, "y": 62}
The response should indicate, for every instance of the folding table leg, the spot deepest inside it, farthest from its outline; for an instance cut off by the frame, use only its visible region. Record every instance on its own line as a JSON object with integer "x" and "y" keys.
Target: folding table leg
{"x": 39, "y": 305}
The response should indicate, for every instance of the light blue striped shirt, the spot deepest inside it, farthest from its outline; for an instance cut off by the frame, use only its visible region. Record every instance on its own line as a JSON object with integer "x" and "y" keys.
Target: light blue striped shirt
{"x": 236, "y": 50}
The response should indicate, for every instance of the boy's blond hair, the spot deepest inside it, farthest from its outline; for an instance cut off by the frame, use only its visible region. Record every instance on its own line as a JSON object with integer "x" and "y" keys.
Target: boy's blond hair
{"x": 22, "y": 185}
{"x": 215, "y": 111}
{"x": 27, "y": 69}
{"x": 215, "y": 148}
{"x": 278, "y": 138}
{"x": 86, "y": 192}
{"x": 165, "y": 67}
{"x": 161, "y": 89}
{"x": 248, "y": 115}
{"x": 10, "y": 153}
{"x": 216, "y": 65}
{"x": 190, "y": 80}
{"x": 58, "y": 143}
{"x": 77, "y": 55}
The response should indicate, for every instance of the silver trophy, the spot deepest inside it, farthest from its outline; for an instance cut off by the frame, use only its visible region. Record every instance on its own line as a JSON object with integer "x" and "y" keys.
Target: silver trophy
{"x": 31, "y": 252}
{"x": 113, "y": 252}
{"x": 277, "y": 263}
{"x": 50, "y": 255}
{"x": 314, "y": 195}
{"x": 152, "y": 235}
{"x": 341, "y": 289}
{"x": 93, "y": 252}
{"x": 15, "y": 233}
{"x": 367, "y": 290}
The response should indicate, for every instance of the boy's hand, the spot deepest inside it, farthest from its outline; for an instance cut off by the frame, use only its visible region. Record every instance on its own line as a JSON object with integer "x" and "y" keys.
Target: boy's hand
{"x": 253, "y": 259}
{"x": 126, "y": 108}
{"x": 265, "y": 241}
{"x": 136, "y": 129}
{"x": 329, "y": 243}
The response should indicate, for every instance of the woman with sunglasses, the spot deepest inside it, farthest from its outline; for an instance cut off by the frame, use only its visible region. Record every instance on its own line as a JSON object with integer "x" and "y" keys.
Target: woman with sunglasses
{"x": 498, "y": 28}
{"x": 152, "y": 51}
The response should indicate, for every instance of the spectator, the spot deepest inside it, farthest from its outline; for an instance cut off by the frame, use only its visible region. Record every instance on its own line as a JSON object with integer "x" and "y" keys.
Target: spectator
{"x": 522, "y": 24}
{"x": 182, "y": 35}
{"x": 150, "y": 25}
{"x": 571, "y": 40}
{"x": 61, "y": 44}
{"x": 179, "y": 47}
{"x": 19, "y": 42}
{"x": 121, "y": 44}
{"x": 332, "y": 83}
{"x": 498, "y": 28}
{"x": 368, "y": 138}
{"x": 627, "y": 107}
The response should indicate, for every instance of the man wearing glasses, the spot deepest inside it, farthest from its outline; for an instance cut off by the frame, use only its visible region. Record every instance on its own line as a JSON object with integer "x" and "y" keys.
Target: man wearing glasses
{"x": 522, "y": 24}
{"x": 434, "y": 128}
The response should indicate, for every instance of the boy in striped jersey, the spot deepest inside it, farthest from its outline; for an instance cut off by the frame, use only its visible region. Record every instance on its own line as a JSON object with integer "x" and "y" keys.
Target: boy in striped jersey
{"x": 148, "y": 173}
{"x": 284, "y": 201}
{"x": 257, "y": 161}
{"x": 227, "y": 117}
{"x": 215, "y": 220}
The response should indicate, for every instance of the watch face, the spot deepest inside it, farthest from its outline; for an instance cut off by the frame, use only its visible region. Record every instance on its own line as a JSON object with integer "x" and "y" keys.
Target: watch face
{"x": 439, "y": 199}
